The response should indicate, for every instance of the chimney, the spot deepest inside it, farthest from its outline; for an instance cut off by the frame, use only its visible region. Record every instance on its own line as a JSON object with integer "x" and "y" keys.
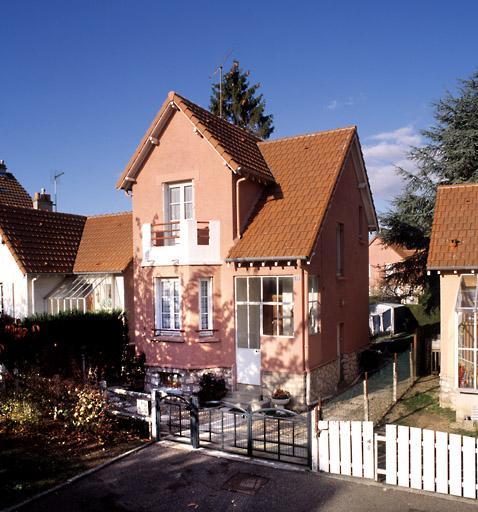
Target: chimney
{"x": 3, "y": 167}
{"x": 42, "y": 201}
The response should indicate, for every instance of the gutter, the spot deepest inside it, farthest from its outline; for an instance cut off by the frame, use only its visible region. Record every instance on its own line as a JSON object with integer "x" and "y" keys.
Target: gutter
{"x": 266, "y": 258}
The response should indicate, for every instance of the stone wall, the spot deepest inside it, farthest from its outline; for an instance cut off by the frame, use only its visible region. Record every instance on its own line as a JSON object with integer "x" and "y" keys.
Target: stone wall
{"x": 188, "y": 379}
{"x": 350, "y": 367}
{"x": 295, "y": 383}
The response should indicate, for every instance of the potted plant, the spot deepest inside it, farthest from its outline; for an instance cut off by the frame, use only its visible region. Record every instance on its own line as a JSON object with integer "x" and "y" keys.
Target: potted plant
{"x": 280, "y": 397}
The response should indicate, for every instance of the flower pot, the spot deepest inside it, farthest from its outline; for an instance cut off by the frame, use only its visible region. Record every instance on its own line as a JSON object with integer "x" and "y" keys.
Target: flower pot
{"x": 280, "y": 402}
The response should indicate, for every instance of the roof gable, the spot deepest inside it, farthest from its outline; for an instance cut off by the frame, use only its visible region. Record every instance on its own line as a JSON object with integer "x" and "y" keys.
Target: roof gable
{"x": 41, "y": 242}
{"x": 236, "y": 146}
{"x": 106, "y": 244}
{"x": 454, "y": 239}
{"x": 289, "y": 217}
{"x": 12, "y": 192}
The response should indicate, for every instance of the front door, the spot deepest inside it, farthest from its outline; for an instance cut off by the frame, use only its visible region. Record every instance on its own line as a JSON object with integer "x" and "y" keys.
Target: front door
{"x": 248, "y": 335}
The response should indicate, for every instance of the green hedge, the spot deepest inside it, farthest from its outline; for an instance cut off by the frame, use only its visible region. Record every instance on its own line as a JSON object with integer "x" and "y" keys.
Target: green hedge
{"x": 58, "y": 344}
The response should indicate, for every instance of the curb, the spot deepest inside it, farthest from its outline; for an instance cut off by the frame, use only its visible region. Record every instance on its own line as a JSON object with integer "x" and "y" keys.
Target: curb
{"x": 75, "y": 478}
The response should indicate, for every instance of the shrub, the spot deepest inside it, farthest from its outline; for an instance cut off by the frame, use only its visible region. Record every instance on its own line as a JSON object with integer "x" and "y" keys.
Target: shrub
{"x": 211, "y": 388}
{"x": 89, "y": 412}
{"x": 18, "y": 412}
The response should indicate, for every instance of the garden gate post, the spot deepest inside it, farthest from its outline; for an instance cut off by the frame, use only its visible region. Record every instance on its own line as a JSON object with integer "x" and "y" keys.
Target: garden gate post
{"x": 194, "y": 420}
{"x": 155, "y": 416}
{"x": 249, "y": 434}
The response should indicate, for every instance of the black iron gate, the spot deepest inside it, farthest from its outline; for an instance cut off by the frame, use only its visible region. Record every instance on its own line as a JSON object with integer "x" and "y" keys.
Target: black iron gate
{"x": 276, "y": 434}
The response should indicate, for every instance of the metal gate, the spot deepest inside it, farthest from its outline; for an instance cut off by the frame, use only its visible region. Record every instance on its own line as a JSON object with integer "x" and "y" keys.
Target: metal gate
{"x": 276, "y": 434}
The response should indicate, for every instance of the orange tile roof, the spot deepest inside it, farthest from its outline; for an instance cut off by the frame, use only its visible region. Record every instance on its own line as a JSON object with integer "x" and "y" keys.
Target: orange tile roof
{"x": 12, "y": 193}
{"x": 41, "y": 242}
{"x": 289, "y": 216}
{"x": 454, "y": 239}
{"x": 238, "y": 147}
{"x": 106, "y": 244}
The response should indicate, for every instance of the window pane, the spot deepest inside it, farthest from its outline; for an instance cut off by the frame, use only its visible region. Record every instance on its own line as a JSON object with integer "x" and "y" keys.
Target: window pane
{"x": 269, "y": 289}
{"x": 188, "y": 193}
{"x": 313, "y": 318}
{"x": 188, "y": 210}
{"x": 174, "y": 212}
{"x": 254, "y": 289}
{"x": 286, "y": 323}
{"x": 241, "y": 289}
{"x": 254, "y": 326}
{"x": 174, "y": 195}
{"x": 241, "y": 327}
{"x": 269, "y": 320}
{"x": 286, "y": 289}
{"x": 466, "y": 373}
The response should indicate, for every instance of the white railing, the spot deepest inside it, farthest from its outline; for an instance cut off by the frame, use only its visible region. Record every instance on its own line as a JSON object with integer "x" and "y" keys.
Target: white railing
{"x": 184, "y": 242}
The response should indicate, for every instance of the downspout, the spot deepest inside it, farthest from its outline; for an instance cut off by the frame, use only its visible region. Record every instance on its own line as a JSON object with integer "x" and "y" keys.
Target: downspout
{"x": 238, "y": 210}
{"x": 304, "y": 327}
{"x": 33, "y": 294}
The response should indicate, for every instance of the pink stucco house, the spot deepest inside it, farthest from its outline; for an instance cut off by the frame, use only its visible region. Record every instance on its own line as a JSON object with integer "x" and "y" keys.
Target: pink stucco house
{"x": 250, "y": 256}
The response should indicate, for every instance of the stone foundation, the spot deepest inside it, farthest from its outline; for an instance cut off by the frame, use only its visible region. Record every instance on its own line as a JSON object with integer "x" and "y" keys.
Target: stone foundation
{"x": 462, "y": 403}
{"x": 350, "y": 367}
{"x": 185, "y": 379}
{"x": 322, "y": 382}
{"x": 295, "y": 383}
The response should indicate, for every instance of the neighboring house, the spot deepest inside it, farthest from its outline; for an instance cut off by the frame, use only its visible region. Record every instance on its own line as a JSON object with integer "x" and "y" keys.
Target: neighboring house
{"x": 381, "y": 258}
{"x": 11, "y": 191}
{"x": 51, "y": 262}
{"x": 250, "y": 257}
{"x": 102, "y": 273}
{"x": 454, "y": 255}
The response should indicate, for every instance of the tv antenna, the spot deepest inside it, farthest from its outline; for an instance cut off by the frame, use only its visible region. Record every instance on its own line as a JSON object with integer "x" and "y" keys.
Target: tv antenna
{"x": 55, "y": 185}
{"x": 219, "y": 70}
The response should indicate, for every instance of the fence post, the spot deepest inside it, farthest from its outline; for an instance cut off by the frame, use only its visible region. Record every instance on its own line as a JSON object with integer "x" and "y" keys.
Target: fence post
{"x": 313, "y": 432}
{"x": 194, "y": 420}
{"x": 154, "y": 428}
{"x": 249, "y": 434}
{"x": 395, "y": 377}
{"x": 410, "y": 362}
{"x": 365, "y": 397}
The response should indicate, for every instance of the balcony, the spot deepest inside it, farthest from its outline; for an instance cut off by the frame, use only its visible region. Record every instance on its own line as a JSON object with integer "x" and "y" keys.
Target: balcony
{"x": 183, "y": 242}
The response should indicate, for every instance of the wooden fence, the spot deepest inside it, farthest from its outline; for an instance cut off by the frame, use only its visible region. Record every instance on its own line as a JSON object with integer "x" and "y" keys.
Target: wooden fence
{"x": 405, "y": 456}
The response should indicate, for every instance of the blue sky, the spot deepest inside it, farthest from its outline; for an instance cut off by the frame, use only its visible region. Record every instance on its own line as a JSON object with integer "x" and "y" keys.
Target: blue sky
{"x": 81, "y": 80}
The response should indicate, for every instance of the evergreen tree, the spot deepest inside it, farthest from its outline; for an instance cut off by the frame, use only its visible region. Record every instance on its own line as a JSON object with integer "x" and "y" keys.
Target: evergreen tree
{"x": 240, "y": 105}
{"x": 449, "y": 156}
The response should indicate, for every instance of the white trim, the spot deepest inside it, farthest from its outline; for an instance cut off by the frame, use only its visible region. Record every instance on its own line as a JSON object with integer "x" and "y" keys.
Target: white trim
{"x": 158, "y": 320}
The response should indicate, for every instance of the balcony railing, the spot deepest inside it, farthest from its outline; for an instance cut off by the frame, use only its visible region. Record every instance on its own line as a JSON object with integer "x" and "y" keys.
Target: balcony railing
{"x": 183, "y": 242}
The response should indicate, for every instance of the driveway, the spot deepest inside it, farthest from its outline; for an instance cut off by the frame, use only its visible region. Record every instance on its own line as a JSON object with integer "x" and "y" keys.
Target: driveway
{"x": 171, "y": 478}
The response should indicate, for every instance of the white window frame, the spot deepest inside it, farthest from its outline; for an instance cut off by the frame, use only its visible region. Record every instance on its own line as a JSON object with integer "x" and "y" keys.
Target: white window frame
{"x": 167, "y": 204}
{"x": 159, "y": 283}
{"x": 209, "y": 313}
{"x": 262, "y": 303}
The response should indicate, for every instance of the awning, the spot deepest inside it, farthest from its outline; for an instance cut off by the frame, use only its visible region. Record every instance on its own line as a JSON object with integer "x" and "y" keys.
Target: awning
{"x": 72, "y": 292}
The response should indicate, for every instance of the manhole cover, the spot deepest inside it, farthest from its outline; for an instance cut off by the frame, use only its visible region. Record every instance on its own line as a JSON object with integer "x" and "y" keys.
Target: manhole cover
{"x": 245, "y": 483}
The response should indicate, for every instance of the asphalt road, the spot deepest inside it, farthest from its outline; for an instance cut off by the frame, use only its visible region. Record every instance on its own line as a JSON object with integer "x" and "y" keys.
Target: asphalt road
{"x": 172, "y": 479}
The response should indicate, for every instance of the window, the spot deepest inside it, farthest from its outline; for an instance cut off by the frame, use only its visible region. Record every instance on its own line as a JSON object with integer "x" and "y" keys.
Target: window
{"x": 313, "y": 305}
{"x": 340, "y": 248}
{"x": 168, "y": 311}
{"x": 205, "y": 304}
{"x": 179, "y": 201}
{"x": 264, "y": 307}
{"x": 467, "y": 347}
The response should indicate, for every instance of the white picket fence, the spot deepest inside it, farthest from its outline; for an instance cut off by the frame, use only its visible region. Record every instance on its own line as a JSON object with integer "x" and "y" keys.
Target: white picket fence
{"x": 406, "y": 456}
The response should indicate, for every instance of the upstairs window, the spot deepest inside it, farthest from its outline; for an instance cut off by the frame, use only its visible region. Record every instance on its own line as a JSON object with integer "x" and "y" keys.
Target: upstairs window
{"x": 179, "y": 201}
{"x": 339, "y": 242}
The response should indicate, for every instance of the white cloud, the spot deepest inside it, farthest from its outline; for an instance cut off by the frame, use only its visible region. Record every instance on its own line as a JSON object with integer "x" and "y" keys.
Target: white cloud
{"x": 334, "y": 104}
{"x": 383, "y": 154}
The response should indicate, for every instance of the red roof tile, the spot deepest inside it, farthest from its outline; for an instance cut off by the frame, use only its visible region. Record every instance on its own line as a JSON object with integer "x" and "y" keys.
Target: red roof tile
{"x": 12, "y": 193}
{"x": 454, "y": 239}
{"x": 41, "y": 242}
{"x": 288, "y": 219}
{"x": 106, "y": 244}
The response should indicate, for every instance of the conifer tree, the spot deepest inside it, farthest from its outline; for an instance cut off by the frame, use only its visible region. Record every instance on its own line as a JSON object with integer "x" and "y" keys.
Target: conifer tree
{"x": 449, "y": 156}
{"x": 241, "y": 105}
